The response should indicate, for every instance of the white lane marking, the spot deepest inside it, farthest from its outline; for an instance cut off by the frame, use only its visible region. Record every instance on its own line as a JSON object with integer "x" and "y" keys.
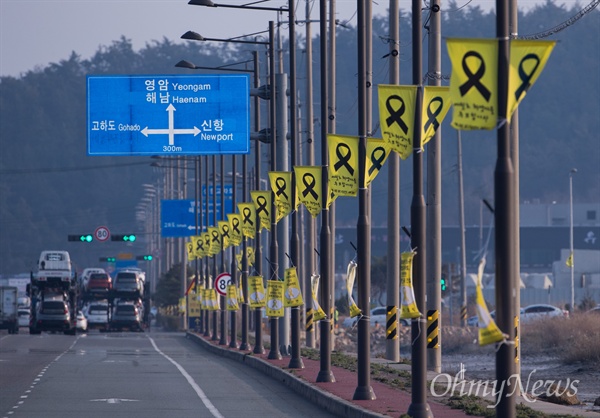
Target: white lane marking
{"x": 213, "y": 410}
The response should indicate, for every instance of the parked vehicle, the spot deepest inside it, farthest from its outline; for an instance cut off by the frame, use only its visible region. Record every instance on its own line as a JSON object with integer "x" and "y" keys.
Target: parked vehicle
{"x": 541, "y": 311}
{"x": 86, "y": 275}
{"x": 9, "y": 317}
{"x": 99, "y": 284}
{"x": 126, "y": 316}
{"x": 97, "y": 315}
{"x": 82, "y": 323}
{"x": 24, "y": 317}
{"x": 52, "y": 315}
{"x": 129, "y": 284}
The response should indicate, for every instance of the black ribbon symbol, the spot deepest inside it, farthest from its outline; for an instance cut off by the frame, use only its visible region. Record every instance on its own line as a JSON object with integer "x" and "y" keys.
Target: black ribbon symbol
{"x": 199, "y": 245}
{"x": 262, "y": 205}
{"x": 280, "y": 183}
{"x": 310, "y": 187}
{"x": 215, "y": 236}
{"x": 474, "y": 80}
{"x": 247, "y": 212}
{"x": 343, "y": 159}
{"x": 377, "y": 161}
{"x": 395, "y": 115}
{"x": 432, "y": 116}
{"x": 235, "y": 222}
{"x": 526, "y": 78}
{"x": 225, "y": 231}
{"x": 207, "y": 241}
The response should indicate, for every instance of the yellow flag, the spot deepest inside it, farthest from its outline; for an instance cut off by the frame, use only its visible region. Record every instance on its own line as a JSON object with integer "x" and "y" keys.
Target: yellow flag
{"x": 474, "y": 83}
{"x": 191, "y": 254}
{"x": 256, "y": 292}
{"x": 214, "y": 300}
{"x": 232, "y": 298}
{"x": 281, "y": 185}
{"x": 350, "y": 277}
{"x": 235, "y": 228}
{"x": 248, "y": 212}
{"x": 319, "y": 313}
{"x": 215, "y": 240}
{"x": 436, "y": 103}
{"x": 569, "y": 262}
{"x": 488, "y": 330}
{"x": 274, "y": 298}
{"x": 262, "y": 202}
{"x": 343, "y": 164}
{"x": 308, "y": 188}
{"x": 397, "y": 116}
{"x": 250, "y": 255}
{"x": 293, "y": 294}
{"x": 205, "y": 298}
{"x": 198, "y": 245}
{"x": 377, "y": 153}
{"x": 225, "y": 233}
{"x": 206, "y": 239}
{"x": 527, "y": 60}
{"x": 408, "y": 306}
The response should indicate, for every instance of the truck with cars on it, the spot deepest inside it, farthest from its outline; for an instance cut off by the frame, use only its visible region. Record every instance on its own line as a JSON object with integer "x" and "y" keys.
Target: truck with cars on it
{"x": 9, "y": 318}
{"x": 53, "y": 292}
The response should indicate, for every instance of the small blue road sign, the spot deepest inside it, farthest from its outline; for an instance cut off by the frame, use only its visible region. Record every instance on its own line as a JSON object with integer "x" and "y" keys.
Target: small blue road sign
{"x": 177, "y": 218}
{"x": 168, "y": 114}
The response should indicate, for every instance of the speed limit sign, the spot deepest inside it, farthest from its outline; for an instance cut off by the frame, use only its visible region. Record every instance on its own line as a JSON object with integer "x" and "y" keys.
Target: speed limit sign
{"x": 102, "y": 233}
{"x": 221, "y": 282}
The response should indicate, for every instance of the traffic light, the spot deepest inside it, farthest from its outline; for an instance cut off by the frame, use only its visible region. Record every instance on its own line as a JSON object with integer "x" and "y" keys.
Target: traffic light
{"x": 444, "y": 284}
{"x": 126, "y": 238}
{"x": 81, "y": 238}
{"x": 108, "y": 259}
{"x": 147, "y": 257}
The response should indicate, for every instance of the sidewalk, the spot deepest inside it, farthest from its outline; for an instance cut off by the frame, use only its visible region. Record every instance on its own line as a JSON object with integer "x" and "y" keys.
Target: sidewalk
{"x": 336, "y": 397}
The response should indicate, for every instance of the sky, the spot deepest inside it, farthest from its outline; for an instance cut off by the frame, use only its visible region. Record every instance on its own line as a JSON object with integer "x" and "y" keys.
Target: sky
{"x": 39, "y": 32}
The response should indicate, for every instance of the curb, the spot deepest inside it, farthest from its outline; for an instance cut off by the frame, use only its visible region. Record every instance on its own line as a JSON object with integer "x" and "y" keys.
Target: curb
{"x": 325, "y": 400}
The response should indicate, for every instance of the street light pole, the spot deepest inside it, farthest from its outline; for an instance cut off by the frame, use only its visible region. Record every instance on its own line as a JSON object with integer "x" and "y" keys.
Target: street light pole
{"x": 571, "y": 255}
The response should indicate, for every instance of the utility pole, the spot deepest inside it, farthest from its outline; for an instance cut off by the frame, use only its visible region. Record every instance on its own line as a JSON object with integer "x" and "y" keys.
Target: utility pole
{"x": 463, "y": 244}
{"x": 434, "y": 200}
{"x": 392, "y": 342}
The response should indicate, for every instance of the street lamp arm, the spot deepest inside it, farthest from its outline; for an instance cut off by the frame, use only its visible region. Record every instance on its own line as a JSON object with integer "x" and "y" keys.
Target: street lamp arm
{"x": 209, "y": 3}
{"x": 195, "y": 36}
{"x": 192, "y": 66}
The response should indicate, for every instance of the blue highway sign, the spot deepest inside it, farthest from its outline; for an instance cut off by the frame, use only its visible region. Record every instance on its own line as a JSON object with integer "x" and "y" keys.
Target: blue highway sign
{"x": 168, "y": 115}
{"x": 177, "y": 218}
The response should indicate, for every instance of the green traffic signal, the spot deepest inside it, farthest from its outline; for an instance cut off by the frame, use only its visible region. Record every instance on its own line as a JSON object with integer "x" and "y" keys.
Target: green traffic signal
{"x": 108, "y": 259}
{"x": 443, "y": 283}
{"x": 147, "y": 257}
{"x": 81, "y": 238}
{"x": 86, "y": 238}
{"x": 126, "y": 238}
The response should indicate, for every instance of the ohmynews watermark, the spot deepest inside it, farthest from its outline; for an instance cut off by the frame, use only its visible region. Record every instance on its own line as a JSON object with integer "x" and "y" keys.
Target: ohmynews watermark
{"x": 458, "y": 386}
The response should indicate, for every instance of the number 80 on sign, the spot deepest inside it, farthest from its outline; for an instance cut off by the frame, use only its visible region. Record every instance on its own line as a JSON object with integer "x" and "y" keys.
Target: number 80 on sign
{"x": 221, "y": 282}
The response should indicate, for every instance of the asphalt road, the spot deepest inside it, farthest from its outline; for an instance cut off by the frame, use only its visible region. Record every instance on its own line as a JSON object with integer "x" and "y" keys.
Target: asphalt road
{"x": 151, "y": 374}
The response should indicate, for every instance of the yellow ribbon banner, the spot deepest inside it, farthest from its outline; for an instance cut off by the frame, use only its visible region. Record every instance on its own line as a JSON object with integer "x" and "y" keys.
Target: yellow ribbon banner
{"x": 206, "y": 238}
{"x": 256, "y": 290}
{"x": 232, "y": 298}
{"x": 343, "y": 164}
{"x": 489, "y": 332}
{"x": 293, "y": 294}
{"x": 225, "y": 233}
{"x": 350, "y": 277}
{"x": 262, "y": 203}
{"x": 308, "y": 188}
{"x": 397, "y": 116}
{"x": 408, "y": 306}
{"x": 191, "y": 254}
{"x": 377, "y": 153}
{"x": 235, "y": 228}
{"x": 281, "y": 185}
{"x": 214, "y": 300}
{"x": 527, "y": 60}
{"x": 473, "y": 83}
{"x": 319, "y": 313}
{"x": 205, "y": 298}
{"x": 248, "y": 212}
{"x": 198, "y": 242}
{"x": 194, "y": 308}
{"x": 436, "y": 104}
{"x": 275, "y": 298}
{"x": 215, "y": 240}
